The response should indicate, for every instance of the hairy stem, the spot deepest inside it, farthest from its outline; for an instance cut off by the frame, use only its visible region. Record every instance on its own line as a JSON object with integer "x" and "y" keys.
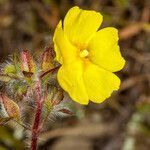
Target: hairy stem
{"x": 35, "y": 128}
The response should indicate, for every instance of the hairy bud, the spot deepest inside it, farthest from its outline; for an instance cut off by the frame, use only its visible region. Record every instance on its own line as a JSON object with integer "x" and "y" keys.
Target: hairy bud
{"x": 28, "y": 66}
{"x": 47, "y": 60}
{"x": 9, "y": 108}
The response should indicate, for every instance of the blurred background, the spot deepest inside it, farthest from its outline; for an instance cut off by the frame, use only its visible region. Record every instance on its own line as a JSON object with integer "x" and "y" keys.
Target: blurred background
{"x": 120, "y": 123}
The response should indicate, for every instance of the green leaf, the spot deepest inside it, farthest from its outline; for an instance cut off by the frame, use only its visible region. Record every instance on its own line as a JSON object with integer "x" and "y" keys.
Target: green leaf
{"x": 5, "y": 78}
{"x": 10, "y": 107}
{"x": 9, "y": 69}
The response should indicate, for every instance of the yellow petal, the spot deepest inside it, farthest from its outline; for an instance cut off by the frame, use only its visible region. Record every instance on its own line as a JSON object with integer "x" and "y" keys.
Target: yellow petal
{"x": 99, "y": 83}
{"x": 65, "y": 52}
{"x": 80, "y": 25}
{"x": 104, "y": 50}
{"x": 71, "y": 80}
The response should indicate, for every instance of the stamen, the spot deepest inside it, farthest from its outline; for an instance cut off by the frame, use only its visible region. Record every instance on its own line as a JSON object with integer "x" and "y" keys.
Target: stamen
{"x": 84, "y": 53}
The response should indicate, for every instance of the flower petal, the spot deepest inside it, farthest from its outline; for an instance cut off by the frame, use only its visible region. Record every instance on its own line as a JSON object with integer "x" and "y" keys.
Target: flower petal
{"x": 65, "y": 52}
{"x": 104, "y": 50}
{"x": 80, "y": 25}
{"x": 99, "y": 83}
{"x": 71, "y": 80}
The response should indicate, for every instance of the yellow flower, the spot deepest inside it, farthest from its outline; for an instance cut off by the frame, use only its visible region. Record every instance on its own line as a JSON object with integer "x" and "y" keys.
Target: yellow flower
{"x": 88, "y": 56}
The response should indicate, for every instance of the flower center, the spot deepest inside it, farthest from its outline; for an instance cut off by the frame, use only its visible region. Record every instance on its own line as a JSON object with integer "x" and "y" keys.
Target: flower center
{"x": 84, "y": 53}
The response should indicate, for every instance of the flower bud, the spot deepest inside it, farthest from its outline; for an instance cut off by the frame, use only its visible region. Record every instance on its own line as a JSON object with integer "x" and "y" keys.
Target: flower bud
{"x": 47, "y": 60}
{"x": 28, "y": 66}
{"x": 9, "y": 108}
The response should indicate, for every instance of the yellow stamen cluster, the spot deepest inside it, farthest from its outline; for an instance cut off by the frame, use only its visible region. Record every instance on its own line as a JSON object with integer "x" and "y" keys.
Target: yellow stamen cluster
{"x": 84, "y": 53}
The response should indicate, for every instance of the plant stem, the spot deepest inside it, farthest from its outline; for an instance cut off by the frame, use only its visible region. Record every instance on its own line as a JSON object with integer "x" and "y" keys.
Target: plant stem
{"x": 35, "y": 129}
